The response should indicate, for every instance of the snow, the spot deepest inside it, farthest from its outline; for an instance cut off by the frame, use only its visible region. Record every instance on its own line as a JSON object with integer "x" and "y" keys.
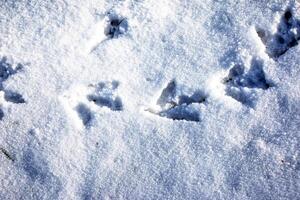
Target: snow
{"x": 134, "y": 99}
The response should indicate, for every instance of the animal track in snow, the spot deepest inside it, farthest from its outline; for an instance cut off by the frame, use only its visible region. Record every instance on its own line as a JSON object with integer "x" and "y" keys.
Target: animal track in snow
{"x": 115, "y": 26}
{"x": 241, "y": 83}
{"x": 104, "y": 95}
{"x": 85, "y": 100}
{"x": 7, "y": 69}
{"x": 7, "y": 96}
{"x": 112, "y": 26}
{"x": 286, "y": 37}
{"x": 178, "y": 103}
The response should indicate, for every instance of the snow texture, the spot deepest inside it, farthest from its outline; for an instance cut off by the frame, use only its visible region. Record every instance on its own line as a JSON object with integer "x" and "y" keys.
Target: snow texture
{"x": 136, "y": 99}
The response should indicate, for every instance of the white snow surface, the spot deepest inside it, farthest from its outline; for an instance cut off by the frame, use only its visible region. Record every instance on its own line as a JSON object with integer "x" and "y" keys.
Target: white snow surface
{"x": 147, "y": 99}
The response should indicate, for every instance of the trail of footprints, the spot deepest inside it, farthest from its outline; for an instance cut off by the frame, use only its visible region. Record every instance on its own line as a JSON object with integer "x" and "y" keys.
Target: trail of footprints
{"x": 175, "y": 102}
{"x": 178, "y": 102}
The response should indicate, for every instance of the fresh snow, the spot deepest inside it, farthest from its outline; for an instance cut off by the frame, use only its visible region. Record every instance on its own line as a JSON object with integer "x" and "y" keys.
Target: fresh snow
{"x": 145, "y": 99}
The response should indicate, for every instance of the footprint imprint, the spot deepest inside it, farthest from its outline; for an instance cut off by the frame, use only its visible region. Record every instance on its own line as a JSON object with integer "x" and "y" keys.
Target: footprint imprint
{"x": 8, "y": 97}
{"x": 111, "y": 27}
{"x": 7, "y": 69}
{"x": 115, "y": 26}
{"x": 177, "y": 103}
{"x": 84, "y": 101}
{"x": 241, "y": 84}
{"x": 104, "y": 95}
{"x": 286, "y": 36}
